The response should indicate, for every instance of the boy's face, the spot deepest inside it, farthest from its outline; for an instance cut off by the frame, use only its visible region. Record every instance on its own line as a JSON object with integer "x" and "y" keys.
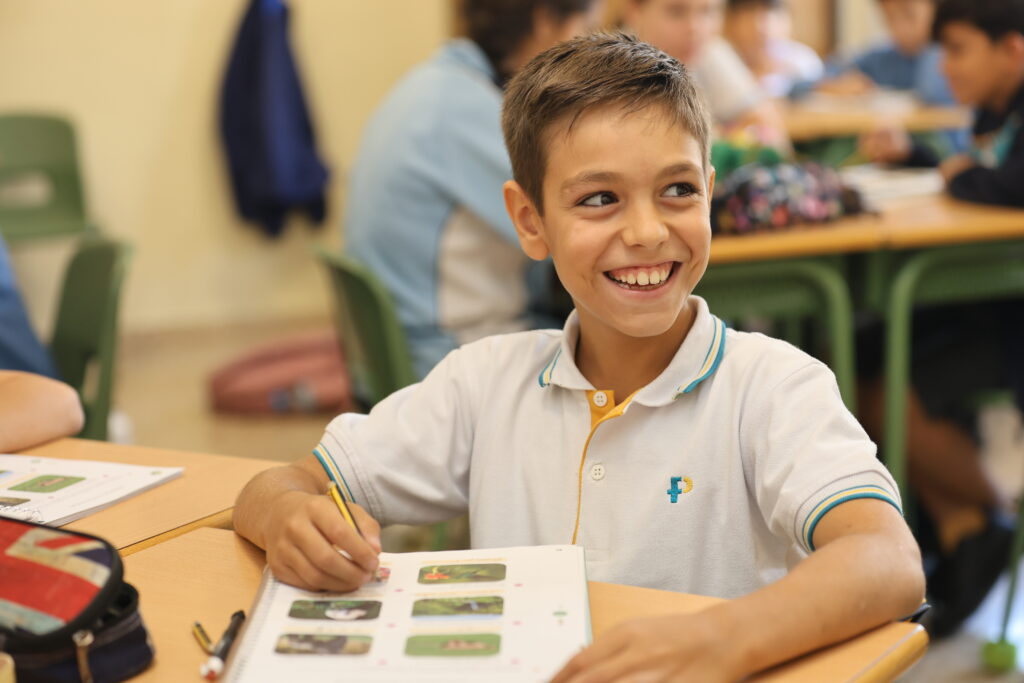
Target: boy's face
{"x": 909, "y": 23}
{"x": 976, "y": 67}
{"x": 752, "y": 29}
{"x": 682, "y": 28}
{"x": 626, "y": 218}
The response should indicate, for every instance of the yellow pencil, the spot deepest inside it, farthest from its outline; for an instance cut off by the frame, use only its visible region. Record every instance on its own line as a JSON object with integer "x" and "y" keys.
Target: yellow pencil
{"x": 335, "y": 493}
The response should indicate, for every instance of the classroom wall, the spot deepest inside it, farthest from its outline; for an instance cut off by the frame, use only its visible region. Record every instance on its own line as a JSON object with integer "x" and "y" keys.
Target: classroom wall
{"x": 141, "y": 82}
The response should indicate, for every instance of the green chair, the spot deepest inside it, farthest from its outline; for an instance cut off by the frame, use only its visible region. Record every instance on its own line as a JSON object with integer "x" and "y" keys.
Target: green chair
{"x": 790, "y": 290}
{"x": 40, "y": 183}
{"x": 85, "y": 335}
{"x": 371, "y": 337}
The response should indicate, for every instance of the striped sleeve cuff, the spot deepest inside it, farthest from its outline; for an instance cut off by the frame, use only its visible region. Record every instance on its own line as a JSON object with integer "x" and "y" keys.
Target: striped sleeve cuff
{"x": 834, "y": 497}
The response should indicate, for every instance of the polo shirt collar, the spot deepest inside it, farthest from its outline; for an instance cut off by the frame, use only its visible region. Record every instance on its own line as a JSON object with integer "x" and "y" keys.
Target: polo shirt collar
{"x": 698, "y": 358}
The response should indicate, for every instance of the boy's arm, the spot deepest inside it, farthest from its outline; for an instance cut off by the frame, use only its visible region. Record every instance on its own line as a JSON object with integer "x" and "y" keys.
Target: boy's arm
{"x": 866, "y": 572}
{"x": 35, "y": 409}
{"x": 1003, "y": 185}
{"x": 283, "y": 510}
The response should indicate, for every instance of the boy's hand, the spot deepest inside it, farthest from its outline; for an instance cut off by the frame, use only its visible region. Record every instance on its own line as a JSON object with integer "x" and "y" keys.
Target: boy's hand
{"x": 954, "y": 166}
{"x": 304, "y": 538}
{"x": 688, "y": 647}
{"x": 886, "y": 144}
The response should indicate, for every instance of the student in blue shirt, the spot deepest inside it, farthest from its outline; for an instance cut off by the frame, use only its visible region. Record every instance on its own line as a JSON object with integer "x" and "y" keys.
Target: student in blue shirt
{"x": 425, "y": 211}
{"x": 908, "y": 61}
{"x": 20, "y": 349}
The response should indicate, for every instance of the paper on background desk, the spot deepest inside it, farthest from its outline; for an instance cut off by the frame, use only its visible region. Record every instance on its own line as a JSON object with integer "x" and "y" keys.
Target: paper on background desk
{"x": 882, "y": 186}
{"x": 499, "y": 614}
{"x": 56, "y": 491}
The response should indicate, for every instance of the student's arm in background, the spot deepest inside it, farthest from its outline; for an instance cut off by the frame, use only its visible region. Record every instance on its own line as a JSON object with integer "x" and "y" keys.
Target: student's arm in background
{"x": 1003, "y": 185}
{"x": 35, "y": 409}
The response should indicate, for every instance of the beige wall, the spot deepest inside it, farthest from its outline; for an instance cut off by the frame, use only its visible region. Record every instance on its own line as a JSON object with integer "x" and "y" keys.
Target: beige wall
{"x": 141, "y": 81}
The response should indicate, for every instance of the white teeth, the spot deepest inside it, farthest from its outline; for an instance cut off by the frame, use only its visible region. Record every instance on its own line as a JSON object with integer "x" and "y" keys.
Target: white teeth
{"x": 642, "y": 279}
{"x": 631, "y": 279}
{"x": 655, "y": 278}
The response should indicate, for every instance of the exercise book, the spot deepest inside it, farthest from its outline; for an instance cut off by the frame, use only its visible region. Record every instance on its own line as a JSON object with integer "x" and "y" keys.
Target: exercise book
{"x": 498, "y": 614}
{"x": 55, "y": 491}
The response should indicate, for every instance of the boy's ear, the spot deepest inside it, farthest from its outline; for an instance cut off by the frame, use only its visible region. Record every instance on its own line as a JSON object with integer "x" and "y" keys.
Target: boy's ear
{"x": 527, "y": 221}
{"x": 711, "y": 183}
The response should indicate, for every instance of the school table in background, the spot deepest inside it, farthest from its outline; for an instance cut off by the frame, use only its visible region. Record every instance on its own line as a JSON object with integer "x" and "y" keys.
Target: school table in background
{"x": 831, "y": 117}
{"x": 224, "y": 573}
{"x": 203, "y": 495}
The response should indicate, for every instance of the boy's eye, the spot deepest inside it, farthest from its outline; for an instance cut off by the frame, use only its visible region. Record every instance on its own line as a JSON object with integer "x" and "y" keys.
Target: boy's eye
{"x": 598, "y": 199}
{"x": 680, "y": 190}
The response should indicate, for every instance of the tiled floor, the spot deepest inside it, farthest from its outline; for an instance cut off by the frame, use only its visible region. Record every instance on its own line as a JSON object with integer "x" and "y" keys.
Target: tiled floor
{"x": 161, "y": 390}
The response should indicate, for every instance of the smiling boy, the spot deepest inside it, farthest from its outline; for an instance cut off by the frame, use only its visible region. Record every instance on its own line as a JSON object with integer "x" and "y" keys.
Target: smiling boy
{"x": 681, "y": 454}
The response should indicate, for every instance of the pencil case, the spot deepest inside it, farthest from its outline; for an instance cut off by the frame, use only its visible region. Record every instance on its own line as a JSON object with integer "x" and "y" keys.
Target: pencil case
{"x": 66, "y": 613}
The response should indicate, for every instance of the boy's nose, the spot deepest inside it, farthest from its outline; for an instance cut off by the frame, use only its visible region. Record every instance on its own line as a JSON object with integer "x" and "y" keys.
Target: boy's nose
{"x": 644, "y": 228}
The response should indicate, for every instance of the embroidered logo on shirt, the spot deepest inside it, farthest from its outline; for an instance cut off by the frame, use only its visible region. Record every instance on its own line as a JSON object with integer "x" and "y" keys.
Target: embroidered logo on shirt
{"x": 674, "y": 491}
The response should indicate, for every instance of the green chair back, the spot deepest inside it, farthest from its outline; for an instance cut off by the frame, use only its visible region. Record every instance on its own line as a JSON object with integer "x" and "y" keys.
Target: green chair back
{"x": 84, "y": 340}
{"x": 40, "y": 184}
{"x": 372, "y": 339}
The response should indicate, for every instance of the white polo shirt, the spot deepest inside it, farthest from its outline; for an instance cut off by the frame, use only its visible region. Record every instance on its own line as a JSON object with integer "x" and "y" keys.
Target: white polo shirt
{"x": 709, "y": 480}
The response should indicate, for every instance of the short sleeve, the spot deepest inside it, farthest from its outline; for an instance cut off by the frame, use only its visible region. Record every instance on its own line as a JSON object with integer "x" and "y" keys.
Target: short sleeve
{"x": 407, "y": 462}
{"x": 808, "y": 454}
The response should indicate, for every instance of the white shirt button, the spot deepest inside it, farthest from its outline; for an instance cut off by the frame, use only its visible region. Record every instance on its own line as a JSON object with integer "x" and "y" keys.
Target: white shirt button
{"x": 597, "y": 472}
{"x": 600, "y": 399}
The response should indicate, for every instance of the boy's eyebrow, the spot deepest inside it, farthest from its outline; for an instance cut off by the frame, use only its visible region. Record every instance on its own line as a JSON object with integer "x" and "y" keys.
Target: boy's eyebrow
{"x": 609, "y": 176}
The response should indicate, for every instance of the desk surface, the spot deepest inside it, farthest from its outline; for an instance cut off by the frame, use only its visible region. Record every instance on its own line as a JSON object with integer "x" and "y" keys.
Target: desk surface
{"x": 224, "y": 572}
{"x": 911, "y": 223}
{"x": 202, "y": 496}
{"x": 810, "y": 122}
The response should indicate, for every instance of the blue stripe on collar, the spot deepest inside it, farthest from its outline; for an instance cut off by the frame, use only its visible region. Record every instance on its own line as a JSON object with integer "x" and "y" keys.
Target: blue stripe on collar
{"x": 712, "y": 359}
{"x": 544, "y": 379}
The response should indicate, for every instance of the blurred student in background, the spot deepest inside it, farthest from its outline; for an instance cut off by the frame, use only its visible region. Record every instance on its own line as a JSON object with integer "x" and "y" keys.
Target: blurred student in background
{"x": 690, "y": 31}
{"x": 20, "y": 348}
{"x": 33, "y": 407}
{"x": 759, "y": 31}
{"x": 425, "y": 207}
{"x": 908, "y": 60}
{"x": 964, "y": 350}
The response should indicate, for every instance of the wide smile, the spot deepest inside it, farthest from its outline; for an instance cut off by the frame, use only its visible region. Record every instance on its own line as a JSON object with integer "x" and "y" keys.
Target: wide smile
{"x": 643, "y": 278}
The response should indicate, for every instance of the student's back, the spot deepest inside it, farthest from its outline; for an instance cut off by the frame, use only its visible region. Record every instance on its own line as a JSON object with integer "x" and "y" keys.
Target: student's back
{"x": 425, "y": 210}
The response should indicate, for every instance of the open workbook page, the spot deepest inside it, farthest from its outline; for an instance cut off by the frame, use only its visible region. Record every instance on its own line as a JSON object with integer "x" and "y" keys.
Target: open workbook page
{"x": 55, "y": 491}
{"x": 499, "y": 614}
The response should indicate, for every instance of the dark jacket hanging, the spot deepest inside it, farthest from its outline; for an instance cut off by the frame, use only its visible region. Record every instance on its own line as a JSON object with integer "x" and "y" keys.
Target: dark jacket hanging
{"x": 267, "y": 133}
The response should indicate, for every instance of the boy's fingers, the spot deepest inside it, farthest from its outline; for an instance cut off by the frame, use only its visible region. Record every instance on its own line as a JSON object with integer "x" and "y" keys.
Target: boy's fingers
{"x": 316, "y": 578}
{"x": 368, "y": 525}
{"x": 340, "y": 533}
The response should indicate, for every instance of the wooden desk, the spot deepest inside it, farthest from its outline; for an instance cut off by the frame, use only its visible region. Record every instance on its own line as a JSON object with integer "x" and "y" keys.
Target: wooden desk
{"x": 811, "y": 122}
{"x": 912, "y": 223}
{"x": 224, "y": 572}
{"x": 202, "y": 496}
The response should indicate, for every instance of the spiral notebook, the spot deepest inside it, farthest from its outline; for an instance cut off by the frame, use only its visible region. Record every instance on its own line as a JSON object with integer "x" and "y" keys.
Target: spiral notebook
{"x": 55, "y": 491}
{"x": 498, "y": 614}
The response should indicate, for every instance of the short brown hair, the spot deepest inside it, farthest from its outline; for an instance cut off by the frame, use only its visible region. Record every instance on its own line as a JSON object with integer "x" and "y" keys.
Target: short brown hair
{"x": 499, "y": 27}
{"x": 584, "y": 73}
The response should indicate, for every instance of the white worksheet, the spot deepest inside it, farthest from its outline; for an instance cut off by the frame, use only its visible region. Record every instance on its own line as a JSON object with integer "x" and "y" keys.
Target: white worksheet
{"x": 55, "y": 491}
{"x": 499, "y": 614}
